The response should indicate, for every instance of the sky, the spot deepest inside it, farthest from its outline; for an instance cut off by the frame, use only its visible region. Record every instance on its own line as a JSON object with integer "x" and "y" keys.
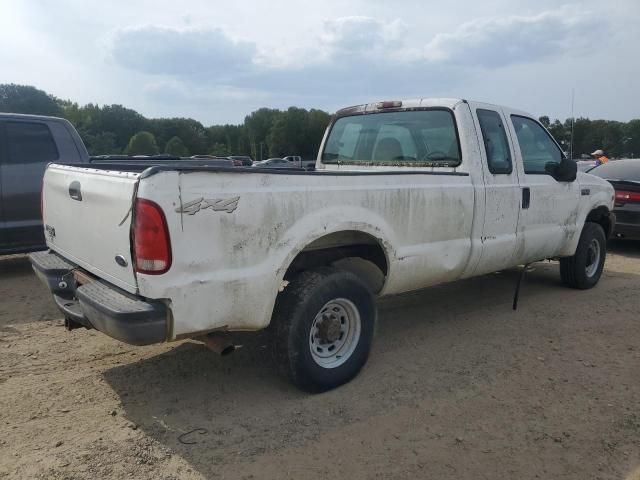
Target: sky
{"x": 219, "y": 61}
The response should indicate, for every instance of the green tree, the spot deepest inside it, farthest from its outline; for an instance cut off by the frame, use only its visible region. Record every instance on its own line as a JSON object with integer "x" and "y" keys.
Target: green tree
{"x": 26, "y": 99}
{"x": 560, "y": 133}
{"x": 612, "y": 140}
{"x": 176, "y": 148}
{"x": 123, "y": 122}
{"x": 317, "y": 122}
{"x": 219, "y": 150}
{"x": 582, "y": 137}
{"x": 287, "y": 135}
{"x": 232, "y": 137}
{"x": 632, "y": 139}
{"x": 103, "y": 143}
{"x": 142, "y": 143}
{"x": 257, "y": 127}
{"x": 191, "y": 132}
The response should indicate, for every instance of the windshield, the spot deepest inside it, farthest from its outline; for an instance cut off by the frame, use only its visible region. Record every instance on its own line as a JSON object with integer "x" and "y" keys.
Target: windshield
{"x": 426, "y": 137}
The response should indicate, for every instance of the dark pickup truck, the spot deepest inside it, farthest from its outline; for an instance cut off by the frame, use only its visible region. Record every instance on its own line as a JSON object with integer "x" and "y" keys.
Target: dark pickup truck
{"x": 27, "y": 144}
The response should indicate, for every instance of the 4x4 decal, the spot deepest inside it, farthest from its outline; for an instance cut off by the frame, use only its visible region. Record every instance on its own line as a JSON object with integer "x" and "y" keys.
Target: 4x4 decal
{"x": 216, "y": 204}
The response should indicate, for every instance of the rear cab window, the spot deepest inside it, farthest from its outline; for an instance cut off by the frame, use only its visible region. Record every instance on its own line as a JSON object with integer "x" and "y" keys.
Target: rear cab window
{"x": 495, "y": 141}
{"x": 30, "y": 142}
{"x": 401, "y": 138}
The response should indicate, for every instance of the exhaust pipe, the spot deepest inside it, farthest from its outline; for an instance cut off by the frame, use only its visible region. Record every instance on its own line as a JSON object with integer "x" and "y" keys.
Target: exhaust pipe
{"x": 219, "y": 344}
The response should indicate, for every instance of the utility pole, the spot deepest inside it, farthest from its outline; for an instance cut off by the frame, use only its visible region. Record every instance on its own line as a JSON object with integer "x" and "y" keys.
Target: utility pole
{"x": 572, "y": 123}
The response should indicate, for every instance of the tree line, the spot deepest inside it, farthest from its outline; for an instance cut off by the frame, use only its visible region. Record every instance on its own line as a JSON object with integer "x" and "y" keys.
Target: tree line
{"x": 266, "y": 132}
{"x": 617, "y": 139}
{"x": 115, "y": 129}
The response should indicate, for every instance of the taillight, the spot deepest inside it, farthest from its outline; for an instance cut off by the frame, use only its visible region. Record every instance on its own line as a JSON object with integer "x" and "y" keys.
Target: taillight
{"x": 151, "y": 243}
{"x": 623, "y": 196}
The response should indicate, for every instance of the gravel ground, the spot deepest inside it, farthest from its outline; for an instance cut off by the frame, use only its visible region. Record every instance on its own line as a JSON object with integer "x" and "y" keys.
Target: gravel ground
{"x": 458, "y": 386}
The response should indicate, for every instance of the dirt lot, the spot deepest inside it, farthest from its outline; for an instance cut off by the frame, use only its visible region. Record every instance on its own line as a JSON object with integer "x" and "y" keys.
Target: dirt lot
{"x": 458, "y": 386}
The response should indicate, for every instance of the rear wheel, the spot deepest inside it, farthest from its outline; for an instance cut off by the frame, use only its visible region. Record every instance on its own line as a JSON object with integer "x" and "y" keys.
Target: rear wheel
{"x": 584, "y": 269}
{"x": 322, "y": 328}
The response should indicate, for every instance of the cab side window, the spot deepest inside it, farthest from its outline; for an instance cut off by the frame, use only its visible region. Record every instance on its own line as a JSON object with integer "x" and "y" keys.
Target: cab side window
{"x": 30, "y": 143}
{"x": 495, "y": 141}
{"x": 536, "y": 146}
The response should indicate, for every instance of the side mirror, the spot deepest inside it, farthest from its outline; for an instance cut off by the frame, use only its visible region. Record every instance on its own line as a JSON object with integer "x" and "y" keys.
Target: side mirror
{"x": 565, "y": 171}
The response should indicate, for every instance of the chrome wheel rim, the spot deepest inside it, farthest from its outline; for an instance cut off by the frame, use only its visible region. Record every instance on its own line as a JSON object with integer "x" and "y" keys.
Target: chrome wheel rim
{"x": 593, "y": 258}
{"x": 335, "y": 333}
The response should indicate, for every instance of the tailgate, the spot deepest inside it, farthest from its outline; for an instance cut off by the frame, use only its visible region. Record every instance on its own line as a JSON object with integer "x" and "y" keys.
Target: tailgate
{"x": 87, "y": 217}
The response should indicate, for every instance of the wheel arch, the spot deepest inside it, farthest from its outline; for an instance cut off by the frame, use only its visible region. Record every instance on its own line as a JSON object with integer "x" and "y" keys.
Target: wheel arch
{"x": 601, "y": 216}
{"x": 357, "y": 251}
{"x": 598, "y": 212}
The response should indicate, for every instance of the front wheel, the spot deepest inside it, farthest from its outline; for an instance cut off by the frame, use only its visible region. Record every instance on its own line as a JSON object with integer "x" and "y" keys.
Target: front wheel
{"x": 584, "y": 269}
{"x": 322, "y": 328}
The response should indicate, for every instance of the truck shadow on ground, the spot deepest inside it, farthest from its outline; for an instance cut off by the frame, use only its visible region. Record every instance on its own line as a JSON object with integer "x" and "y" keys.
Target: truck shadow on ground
{"x": 246, "y": 409}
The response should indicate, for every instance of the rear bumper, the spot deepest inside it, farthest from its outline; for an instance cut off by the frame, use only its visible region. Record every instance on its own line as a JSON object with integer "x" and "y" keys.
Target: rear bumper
{"x": 96, "y": 304}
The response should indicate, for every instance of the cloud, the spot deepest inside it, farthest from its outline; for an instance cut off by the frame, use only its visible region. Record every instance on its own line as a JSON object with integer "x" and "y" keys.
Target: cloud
{"x": 501, "y": 41}
{"x": 353, "y": 57}
{"x": 361, "y": 36}
{"x": 178, "y": 93}
{"x": 182, "y": 52}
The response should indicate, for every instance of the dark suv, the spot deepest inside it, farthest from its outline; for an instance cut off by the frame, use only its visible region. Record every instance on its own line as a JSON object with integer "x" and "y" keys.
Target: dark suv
{"x": 27, "y": 144}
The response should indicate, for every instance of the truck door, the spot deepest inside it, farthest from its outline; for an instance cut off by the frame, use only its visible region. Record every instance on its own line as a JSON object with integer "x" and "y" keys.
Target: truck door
{"x": 502, "y": 190}
{"x": 29, "y": 148}
{"x": 549, "y": 208}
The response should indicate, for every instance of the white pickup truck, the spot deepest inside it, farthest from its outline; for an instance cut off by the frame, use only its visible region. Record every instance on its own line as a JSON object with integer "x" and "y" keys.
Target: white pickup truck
{"x": 405, "y": 195}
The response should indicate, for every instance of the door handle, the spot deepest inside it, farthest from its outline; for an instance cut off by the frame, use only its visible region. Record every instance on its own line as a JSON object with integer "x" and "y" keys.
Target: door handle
{"x": 74, "y": 191}
{"x": 526, "y": 197}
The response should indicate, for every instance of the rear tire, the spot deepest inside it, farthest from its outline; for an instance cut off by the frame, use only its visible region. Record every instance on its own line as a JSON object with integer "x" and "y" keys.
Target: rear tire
{"x": 584, "y": 269}
{"x": 322, "y": 328}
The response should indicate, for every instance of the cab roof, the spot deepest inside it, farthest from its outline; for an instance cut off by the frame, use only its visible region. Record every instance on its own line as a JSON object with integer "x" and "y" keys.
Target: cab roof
{"x": 403, "y": 104}
{"x": 408, "y": 104}
{"x": 24, "y": 116}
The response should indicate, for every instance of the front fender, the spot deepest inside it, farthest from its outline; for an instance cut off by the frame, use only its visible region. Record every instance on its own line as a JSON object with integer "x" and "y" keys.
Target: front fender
{"x": 601, "y": 195}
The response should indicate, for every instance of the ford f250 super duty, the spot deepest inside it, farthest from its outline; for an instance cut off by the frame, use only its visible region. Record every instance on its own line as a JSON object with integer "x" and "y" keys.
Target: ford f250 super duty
{"x": 405, "y": 195}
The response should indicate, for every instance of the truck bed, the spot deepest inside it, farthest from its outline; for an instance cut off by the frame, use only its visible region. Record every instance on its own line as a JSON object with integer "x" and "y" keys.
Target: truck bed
{"x": 235, "y": 230}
